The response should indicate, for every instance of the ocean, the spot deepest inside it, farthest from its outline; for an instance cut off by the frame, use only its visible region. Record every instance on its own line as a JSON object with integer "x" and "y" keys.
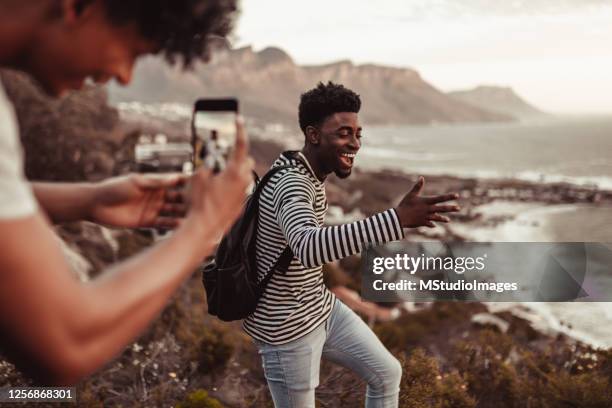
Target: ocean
{"x": 575, "y": 150}
{"x": 572, "y": 149}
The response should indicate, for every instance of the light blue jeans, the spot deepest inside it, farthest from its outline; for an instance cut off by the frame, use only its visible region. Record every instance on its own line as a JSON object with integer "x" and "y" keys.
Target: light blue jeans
{"x": 292, "y": 369}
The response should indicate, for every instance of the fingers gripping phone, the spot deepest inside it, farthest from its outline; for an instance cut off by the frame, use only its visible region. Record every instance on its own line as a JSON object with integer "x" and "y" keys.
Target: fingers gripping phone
{"x": 213, "y": 129}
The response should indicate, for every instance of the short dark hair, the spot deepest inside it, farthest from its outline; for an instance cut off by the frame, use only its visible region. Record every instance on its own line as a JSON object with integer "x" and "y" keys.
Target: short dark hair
{"x": 183, "y": 29}
{"x": 325, "y": 100}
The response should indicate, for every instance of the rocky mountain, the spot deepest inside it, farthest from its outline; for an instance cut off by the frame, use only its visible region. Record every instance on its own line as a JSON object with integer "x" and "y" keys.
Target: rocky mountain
{"x": 66, "y": 139}
{"x": 269, "y": 83}
{"x": 502, "y": 100}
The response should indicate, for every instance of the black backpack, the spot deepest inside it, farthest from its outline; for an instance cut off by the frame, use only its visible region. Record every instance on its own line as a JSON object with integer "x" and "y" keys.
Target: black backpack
{"x": 230, "y": 280}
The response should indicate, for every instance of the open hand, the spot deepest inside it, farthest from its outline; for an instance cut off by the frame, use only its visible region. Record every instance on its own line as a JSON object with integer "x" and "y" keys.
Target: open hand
{"x": 139, "y": 201}
{"x": 416, "y": 211}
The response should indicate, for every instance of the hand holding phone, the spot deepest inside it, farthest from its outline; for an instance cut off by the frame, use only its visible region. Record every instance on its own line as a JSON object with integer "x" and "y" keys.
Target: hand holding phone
{"x": 216, "y": 201}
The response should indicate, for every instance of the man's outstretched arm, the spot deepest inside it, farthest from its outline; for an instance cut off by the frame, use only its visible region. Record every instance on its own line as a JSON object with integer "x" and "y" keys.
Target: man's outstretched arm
{"x": 314, "y": 245}
{"x": 64, "y": 202}
{"x": 135, "y": 200}
{"x": 60, "y": 330}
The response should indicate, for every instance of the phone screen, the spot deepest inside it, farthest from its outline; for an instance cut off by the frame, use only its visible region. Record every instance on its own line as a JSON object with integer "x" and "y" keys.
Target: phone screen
{"x": 214, "y": 132}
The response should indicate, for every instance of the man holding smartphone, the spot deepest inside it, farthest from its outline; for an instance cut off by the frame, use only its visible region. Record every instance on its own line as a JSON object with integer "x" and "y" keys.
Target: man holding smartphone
{"x": 53, "y": 327}
{"x": 297, "y": 320}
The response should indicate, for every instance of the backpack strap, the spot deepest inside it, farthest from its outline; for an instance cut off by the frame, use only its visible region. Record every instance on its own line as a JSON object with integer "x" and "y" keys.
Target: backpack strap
{"x": 261, "y": 182}
{"x": 282, "y": 263}
{"x": 256, "y": 178}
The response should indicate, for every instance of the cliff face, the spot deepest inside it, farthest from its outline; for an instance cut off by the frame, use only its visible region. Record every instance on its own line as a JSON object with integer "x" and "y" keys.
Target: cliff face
{"x": 498, "y": 99}
{"x": 269, "y": 83}
{"x": 67, "y": 139}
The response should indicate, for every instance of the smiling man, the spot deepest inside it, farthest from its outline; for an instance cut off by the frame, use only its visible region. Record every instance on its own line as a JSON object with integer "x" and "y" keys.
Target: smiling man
{"x": 297, "y": 320}
{"x": 53, "y": 327}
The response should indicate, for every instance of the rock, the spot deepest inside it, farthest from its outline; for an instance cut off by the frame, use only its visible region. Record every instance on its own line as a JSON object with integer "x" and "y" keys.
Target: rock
{"x": 80, "y": 266}
{"x": 66, "y": 139}
{"x": 487, "y": 319}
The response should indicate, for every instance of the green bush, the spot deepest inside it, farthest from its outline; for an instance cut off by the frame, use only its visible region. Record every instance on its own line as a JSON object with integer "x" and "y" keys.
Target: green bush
{"x": 484, "y": 364}
{"x": 209, "y": 343}
{"x": 214, "y": 350}
{"x": 410, "y": 330}
{"x": 206, "y": 344}
{"x": 584, "y": 390}
{"x": 423, "y": 385}
{"x": 502, "y": 373}
{"x": 199, "y": 399}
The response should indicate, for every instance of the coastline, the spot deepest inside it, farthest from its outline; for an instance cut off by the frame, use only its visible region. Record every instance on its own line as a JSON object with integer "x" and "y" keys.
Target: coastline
{"x": 536, "y": 222}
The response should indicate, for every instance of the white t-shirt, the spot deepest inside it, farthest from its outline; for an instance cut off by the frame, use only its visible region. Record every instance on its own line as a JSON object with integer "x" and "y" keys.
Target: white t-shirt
{"x": 16, "y": 196}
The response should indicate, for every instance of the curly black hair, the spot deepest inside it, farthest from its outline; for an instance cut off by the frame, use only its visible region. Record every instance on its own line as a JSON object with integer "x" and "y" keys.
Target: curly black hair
{"x": 325, "y": 100}
{"x": 183, "y": 29}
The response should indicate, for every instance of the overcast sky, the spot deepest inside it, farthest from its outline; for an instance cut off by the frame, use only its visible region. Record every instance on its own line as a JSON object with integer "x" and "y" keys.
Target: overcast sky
{"x": 555, "y": 53}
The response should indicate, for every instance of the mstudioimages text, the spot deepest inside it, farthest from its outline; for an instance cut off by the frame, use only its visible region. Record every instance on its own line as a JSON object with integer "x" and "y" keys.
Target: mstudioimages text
{"x": 440, "y": 285}
{"x": 458, "y": 265}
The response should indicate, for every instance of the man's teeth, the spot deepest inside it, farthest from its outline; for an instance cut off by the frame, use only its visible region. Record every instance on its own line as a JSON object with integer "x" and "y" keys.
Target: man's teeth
{"x": 351, "y": 155}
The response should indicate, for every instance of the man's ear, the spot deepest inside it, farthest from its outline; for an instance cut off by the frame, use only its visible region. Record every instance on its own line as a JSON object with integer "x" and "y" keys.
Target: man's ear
{"x": 312, "y": 135}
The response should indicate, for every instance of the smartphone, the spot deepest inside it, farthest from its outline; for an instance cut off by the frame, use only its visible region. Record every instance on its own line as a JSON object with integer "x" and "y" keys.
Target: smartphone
{"x": 213, "y": 129}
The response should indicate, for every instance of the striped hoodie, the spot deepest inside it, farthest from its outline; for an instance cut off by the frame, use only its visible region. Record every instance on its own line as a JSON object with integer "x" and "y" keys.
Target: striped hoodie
{"x": 292, "y": 208}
